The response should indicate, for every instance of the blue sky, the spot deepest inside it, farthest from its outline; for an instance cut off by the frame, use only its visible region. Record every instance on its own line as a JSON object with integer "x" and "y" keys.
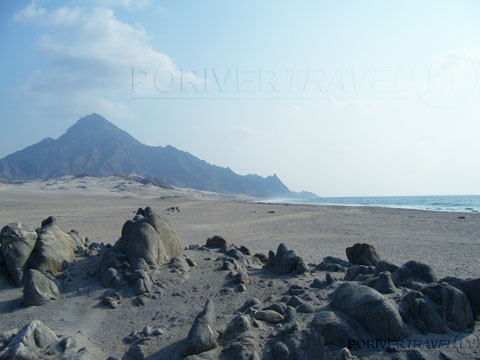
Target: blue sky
{"x": 340, "y": 98}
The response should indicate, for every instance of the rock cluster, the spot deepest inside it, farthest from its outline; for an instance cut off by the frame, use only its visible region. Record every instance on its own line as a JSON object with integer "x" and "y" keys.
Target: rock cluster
{"x": 37, "y": 341}
{"x": 285, "y": 262}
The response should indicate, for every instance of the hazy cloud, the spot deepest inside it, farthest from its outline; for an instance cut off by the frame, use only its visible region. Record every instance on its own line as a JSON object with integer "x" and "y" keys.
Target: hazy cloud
{"x": 91, "y": 55}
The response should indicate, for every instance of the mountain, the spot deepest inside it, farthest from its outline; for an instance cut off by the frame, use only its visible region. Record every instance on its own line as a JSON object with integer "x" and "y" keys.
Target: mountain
{"x": 95, "y": 146}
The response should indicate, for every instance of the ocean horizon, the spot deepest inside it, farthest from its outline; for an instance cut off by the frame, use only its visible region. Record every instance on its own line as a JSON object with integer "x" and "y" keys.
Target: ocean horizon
{"x": 453, "y": 203}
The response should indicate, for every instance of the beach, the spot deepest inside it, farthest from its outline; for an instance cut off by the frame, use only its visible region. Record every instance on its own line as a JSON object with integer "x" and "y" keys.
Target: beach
{"x": 96, "y": 208}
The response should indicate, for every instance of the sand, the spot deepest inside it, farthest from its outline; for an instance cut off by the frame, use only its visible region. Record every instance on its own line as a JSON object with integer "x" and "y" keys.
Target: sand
{"x": 97, "y": 208}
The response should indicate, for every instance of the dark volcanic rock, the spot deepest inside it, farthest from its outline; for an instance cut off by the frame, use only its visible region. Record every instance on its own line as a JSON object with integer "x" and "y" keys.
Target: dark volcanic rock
{"x": 382, "y": 283}
{"x": 203, "y": 336}
{"x": 17, "y": 243}
{"x": 384, "y": 265}
{"x": 414, "y": 274}
{"x": 363, "y": 254}
{"x": 216, "y": 242}
{"x": 285, "y": 262}
{"x": 378, "y": 315}
{"x": 471, "y": 287}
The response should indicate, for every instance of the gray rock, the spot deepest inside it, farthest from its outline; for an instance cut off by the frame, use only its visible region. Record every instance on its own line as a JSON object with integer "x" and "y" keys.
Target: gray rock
{"x": 142, "y": 282}
{"x": 333, "y": 264}
{"x": 329, "y": 279}
{"x": 384, "y": 265}
{"x": 414, "y": 272}
{"x": 236, "y": 328}
{"x": 383, "y": 283}
{"x": 203, "y": 336}
{"x": 363, "y": 254}
{"x": 30, "y": 342}
{"x": 111, "y": 279}
{"x": 280, "y": 351}
{"x": 249, "y": 303}
{"x": 378, "y": 315}
{"x": 285, "y": 262}
{"x": 17, "y": 242}
{"x": 136, "y": 352}
{"x": 52, "y": 250}
{"x": 441, "y": 306}
{"x": 317, "y": 284}
{"x": 278, "y": 307}
{"x": 151, "y": 238}
{"x": 38, "y": 289}
{"x": 353, "y": 272}
{"x": 336, "y": 328}
{"x": 79, "y": 242}
{"x": 471, "y": 288}
{"x": 179, "y": 263}
{"x": 240, "y": 278}
{"x": 294, "y": 301}
{"x": 305, "y": 308}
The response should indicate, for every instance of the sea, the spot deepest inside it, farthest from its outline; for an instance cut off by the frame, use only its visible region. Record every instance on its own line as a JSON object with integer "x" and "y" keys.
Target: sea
{"x": 454, "y": 203}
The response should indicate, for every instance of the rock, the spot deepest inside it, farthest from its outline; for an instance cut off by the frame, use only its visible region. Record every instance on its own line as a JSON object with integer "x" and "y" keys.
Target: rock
{"x": 280, "y": 351}
{"x": 317, "y": 284}
{"x": 190, "y": 262}
{"x": 235, "y": 253}
{"x": 142, "y": 283}
{"x": 363, "y": 254}
{"x": 379, "y": 316}
{"x": 355, "y": 271}
{"x": 244, "y": 250}
{"x": 329, "y": 279}
{"x": 38, "y": 289}
{"x": 236, "y": 328}
{"x": 285, "y": 262}
{"x": 305, "y": 308}
{"x": 278, "y": 307}
{"x": 336, "y": 329}
{"x": 241, "y": 288}
{"x": 17, "y": 242}
{"x": 203, "y": 336}
{"x": 139, "y": 264}
{"x": 240, "y": 278}
{"x": 262, "y": 257}
{"x": 30, "y": 342}
{"x": 179, "y": 263}
{"x": 270, "y": 316}
{"x": 111, "y": 279}
{"x": 151, "y": 238}
{"x": 414, "y": 274}
{"x": 294, "y": 301}
{"x": 437, "y": 307}
{"x": 252, "y": 302}
{"x": 136, "y": 352}
{"x": 53, "y": 249}
{"x": 384, "y": 265}
{"x": 333, "y": 264}
{"x": 216, "y": 242}
{"x": 79, "y": 242}
{"x": 383, "y": 283}
{"x": 471, "y": 288}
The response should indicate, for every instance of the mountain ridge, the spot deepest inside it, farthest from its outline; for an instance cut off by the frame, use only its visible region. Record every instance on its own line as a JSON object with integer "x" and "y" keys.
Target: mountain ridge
{"x": 96, "y": 146}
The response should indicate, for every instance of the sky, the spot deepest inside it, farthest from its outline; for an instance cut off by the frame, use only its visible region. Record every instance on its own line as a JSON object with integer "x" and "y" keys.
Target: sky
{"x": 341, "y": 98}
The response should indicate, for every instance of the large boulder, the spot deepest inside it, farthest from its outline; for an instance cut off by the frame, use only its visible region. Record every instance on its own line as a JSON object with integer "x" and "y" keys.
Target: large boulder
{"x": 363, "y": 254}
{"x": 379, "y": 316}
{"x": 38, "y": 288}
{"x": 285, "y": 262}
{"x": 149, "y": 237}
{"x": 17, "y": 243}
{"x": 414, "y": 275}
{"x": 439, "y": 307}
{"x": 53, "y": 249}
{"x": 471, "y": 287}
{"x": 203, "y": 336}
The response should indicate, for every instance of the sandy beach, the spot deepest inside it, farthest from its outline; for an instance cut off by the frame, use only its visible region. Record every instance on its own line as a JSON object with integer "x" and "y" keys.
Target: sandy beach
{"x": 98, "y": 208}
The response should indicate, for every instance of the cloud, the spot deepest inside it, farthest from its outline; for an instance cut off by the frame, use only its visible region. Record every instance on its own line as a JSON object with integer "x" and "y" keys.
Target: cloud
{"x": 91, "y": 54}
